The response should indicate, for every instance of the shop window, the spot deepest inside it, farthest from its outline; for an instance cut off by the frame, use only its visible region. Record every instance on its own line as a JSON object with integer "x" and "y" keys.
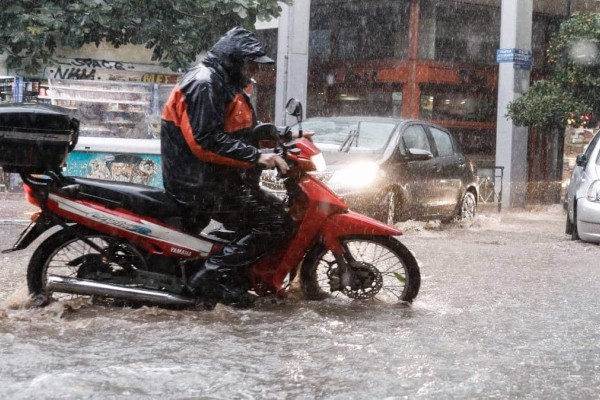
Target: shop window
{"x": 384, "y": 100}
{"x": 479, "y": 142}
{"x": 367, "y": 30}
{"x": 459, "y": 32}
{"x": 457, "y": 103}
{"x": 263, "y": 96}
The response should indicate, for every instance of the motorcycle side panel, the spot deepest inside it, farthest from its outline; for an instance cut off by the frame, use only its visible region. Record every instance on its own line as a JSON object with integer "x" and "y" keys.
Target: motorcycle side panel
{"x": 151, "y": 235}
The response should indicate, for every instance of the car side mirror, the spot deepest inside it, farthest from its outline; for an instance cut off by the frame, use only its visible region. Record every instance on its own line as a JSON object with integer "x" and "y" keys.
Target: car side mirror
{"x": 419, "y": 154}
{"x": 581, "y": 160}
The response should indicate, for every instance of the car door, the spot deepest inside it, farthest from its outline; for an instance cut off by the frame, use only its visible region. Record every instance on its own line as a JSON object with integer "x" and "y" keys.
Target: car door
{"x": 413, "y": 174}
{"x": 447, "y": 173}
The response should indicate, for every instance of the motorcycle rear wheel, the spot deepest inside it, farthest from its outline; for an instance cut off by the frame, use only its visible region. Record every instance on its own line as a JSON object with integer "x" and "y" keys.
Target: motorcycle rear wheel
{"x": 386, "y": 269}
{"x": 66, "y": 254}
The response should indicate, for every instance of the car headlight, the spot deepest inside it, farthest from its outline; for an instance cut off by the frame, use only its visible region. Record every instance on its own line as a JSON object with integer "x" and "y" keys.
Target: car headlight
{"x": 593, "y": 193}
{"x": 356, "y": 176}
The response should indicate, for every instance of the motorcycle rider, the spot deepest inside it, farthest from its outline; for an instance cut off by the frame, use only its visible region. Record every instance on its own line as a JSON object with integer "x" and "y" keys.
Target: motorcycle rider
{"x": 210, "y": 167}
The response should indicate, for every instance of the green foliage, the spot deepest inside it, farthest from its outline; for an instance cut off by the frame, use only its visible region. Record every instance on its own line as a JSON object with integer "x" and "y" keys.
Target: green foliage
{"x": 176, "y": 30}
{"x": 572, "y": 94}
{"x": 548, "y": 105}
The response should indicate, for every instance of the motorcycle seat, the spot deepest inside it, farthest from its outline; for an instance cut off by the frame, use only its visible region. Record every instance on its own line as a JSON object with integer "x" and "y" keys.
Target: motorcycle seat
{"x": 141, "y": 199}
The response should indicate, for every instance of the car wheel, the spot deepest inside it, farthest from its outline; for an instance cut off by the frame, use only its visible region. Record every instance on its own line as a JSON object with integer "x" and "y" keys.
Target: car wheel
{"x": 388, "y": 208}
{"x": 569, "y": 225}
{"x": 468, "y": 207}
{"x": 574, "y": 231}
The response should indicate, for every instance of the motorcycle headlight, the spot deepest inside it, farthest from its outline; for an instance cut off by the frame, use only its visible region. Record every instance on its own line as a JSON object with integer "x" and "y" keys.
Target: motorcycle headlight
{"x": 356, "y": 176}
{"x": 593, "y": 193}
{"x": 319, "y": 162}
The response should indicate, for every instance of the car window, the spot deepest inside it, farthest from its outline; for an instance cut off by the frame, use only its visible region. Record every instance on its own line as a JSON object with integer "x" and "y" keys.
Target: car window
{"x": 590, "y": 147}
{"x": 443, "y": 142}
{"x": 414, "y": 137}
{"x": 365, "y": 136}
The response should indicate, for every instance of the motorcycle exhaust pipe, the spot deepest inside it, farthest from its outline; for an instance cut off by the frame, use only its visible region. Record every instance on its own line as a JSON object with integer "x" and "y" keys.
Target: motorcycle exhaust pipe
{"x": 64, "y": 284}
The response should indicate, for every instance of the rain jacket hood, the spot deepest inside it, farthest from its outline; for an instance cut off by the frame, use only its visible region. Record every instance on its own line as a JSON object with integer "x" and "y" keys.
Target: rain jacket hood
{"x": 234, "y": 49}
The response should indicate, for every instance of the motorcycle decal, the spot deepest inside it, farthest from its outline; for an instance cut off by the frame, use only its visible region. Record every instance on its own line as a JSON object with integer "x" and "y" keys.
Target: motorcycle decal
{"x": 181, "y": 252}
{"x": 128, "y": 226}
{"x": 139, "y": 226}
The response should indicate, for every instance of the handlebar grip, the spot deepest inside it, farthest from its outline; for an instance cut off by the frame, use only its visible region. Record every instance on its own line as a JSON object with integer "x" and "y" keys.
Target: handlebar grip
{"x": 285, "y": 133}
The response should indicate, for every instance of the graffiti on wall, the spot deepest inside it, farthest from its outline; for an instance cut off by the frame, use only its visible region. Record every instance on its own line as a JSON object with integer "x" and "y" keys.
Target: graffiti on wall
{"x": 73, "y": 73}
{"x": 87, "y": 68}
{"x": 136, "y": 168}
{"x": 90, "y": 69}
{"x": 159, "y": 78}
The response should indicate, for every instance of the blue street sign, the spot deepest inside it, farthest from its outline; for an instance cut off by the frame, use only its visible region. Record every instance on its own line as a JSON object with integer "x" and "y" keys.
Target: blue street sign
{"x": 505, "y": 55}
{"x": 522, "y": 65}
{"x": 521, "y": 59}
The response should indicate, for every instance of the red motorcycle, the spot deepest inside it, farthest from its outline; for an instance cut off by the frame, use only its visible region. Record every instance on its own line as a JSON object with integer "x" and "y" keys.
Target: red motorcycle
{"x": 117, "y": 240}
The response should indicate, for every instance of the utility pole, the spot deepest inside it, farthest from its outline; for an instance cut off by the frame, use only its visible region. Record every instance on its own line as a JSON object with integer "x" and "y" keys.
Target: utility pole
{"x": 515, "y": 62}
{"x": 292, "y": 58}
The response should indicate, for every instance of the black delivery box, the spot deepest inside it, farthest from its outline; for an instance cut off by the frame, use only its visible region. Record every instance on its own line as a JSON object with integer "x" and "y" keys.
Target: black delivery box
{"x": 35, "y": 138}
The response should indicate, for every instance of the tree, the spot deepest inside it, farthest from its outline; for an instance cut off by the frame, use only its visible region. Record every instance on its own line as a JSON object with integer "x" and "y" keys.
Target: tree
{"x": 547, "y": 105}
{"x": 571, "y": 96}
{"x": 176, "y": 30}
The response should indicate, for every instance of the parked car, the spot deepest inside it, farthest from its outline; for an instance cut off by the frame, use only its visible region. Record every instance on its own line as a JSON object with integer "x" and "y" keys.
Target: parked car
{"x": 395, "y": 169}
{"x": 583, "y": 195}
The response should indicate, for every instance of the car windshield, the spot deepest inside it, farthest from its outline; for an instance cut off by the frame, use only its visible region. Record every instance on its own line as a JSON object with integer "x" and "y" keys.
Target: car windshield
{"x": 354, "y": 135}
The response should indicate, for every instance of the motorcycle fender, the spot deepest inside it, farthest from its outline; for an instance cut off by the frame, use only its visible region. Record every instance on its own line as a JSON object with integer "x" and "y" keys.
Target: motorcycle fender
{"x": 32, "y": 232}
{"x": 349, "y": 224}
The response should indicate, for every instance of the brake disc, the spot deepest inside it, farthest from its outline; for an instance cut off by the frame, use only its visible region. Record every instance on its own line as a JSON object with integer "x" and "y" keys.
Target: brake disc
{"x": 367, "y": 281}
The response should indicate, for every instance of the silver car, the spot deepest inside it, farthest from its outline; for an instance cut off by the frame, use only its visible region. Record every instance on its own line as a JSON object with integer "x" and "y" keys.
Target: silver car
{"x": 583, "y": 195}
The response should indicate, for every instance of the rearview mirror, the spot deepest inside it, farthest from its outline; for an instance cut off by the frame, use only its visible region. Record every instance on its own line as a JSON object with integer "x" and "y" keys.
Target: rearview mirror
{"x": 419, "y": 154}
{"x": 294, "y": 108}
{"x": 581, "y": 160}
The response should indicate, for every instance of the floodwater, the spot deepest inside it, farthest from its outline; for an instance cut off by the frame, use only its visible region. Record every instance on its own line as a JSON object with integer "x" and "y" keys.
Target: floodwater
{"x": 507, "y": 309}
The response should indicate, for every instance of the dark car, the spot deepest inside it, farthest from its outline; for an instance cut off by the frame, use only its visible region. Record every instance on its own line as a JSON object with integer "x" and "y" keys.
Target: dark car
{"x": 395, "y": 169}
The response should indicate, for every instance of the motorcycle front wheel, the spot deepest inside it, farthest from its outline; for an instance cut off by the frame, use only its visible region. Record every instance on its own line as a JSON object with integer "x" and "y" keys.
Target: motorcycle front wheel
{"x": 81, "y": 253}
{"x": 381, "y": 267}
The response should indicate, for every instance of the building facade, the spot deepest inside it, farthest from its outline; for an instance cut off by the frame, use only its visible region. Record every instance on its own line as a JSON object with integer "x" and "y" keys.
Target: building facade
{"x": 425, "y": 59}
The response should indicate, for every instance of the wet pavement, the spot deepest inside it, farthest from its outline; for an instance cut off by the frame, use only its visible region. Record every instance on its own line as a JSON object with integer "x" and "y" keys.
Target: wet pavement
{"x": 507, "y": 309}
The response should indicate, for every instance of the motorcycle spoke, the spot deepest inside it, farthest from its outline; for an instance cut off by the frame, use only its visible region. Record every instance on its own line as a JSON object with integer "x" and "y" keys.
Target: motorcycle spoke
{"x": 77, "y": 256}
{"x": 380, "y": 272}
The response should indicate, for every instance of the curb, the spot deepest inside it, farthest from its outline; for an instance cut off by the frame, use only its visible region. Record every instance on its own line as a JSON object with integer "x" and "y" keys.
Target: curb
{"x": 14, "y": 221}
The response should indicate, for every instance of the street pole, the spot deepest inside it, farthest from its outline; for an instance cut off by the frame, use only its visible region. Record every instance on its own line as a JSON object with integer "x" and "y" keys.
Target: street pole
{"x": 514, "y": 57}
{"x": 292, "y": 58}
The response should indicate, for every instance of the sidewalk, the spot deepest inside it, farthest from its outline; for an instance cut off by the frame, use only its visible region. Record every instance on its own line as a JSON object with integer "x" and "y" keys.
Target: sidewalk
{"x": 13, "y": 206}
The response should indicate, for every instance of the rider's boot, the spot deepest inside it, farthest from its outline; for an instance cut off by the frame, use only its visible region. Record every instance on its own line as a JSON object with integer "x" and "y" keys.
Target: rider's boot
{"x": 213, "y": 284}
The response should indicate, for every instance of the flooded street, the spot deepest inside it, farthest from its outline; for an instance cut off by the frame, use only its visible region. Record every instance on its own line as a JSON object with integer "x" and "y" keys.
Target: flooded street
{"x": 507, "y": 309}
